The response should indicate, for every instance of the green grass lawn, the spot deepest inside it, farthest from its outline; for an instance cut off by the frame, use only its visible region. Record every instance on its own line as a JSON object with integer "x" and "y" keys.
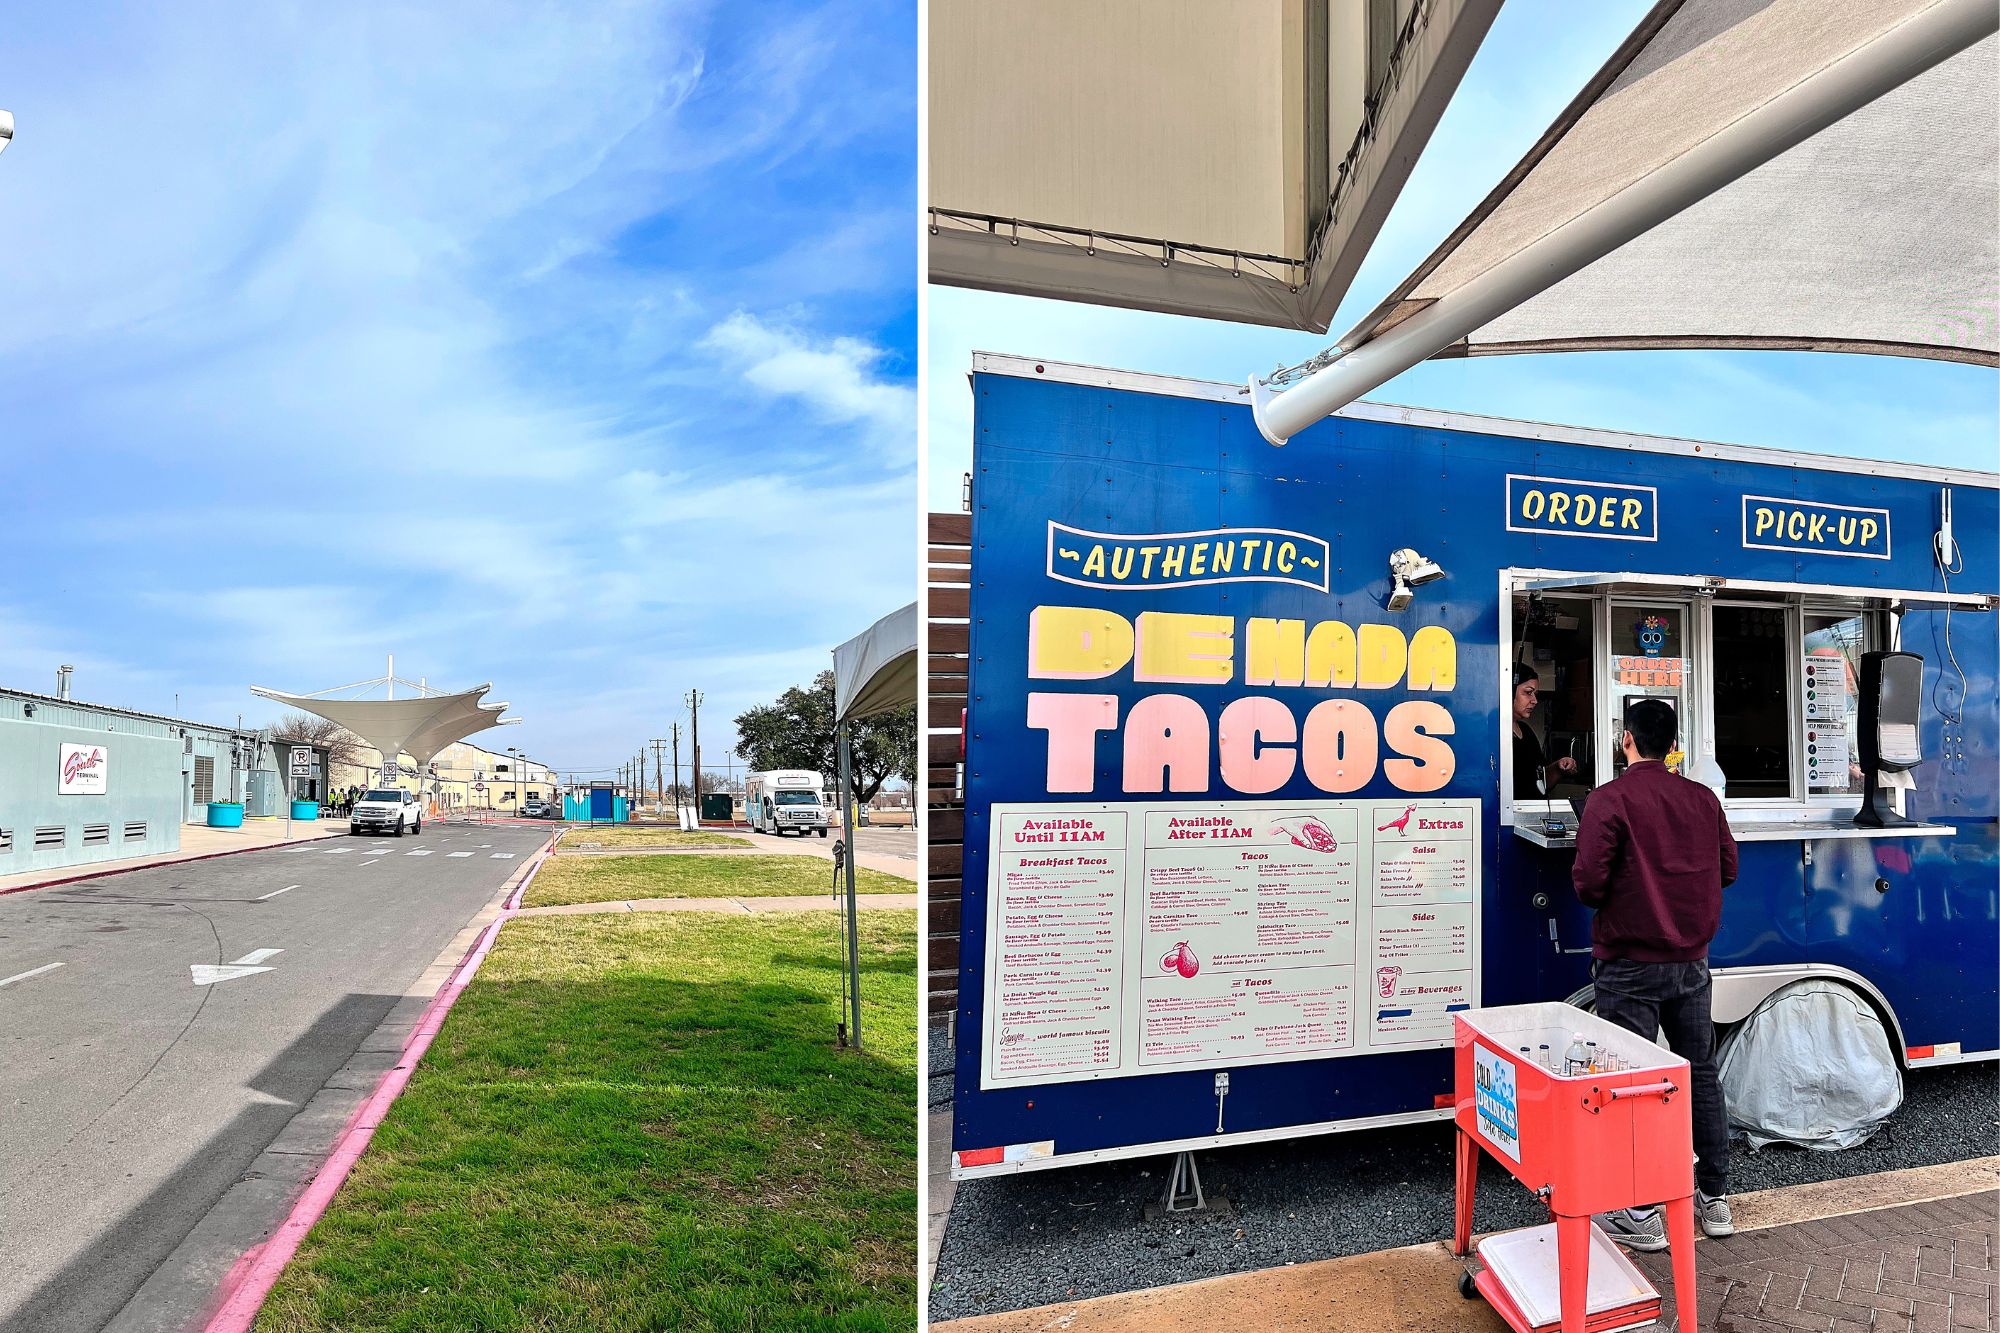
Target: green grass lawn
{"x": 627, "y": 835}
{"x": 641, "y": 1123}
{"x": 610, "y": 879}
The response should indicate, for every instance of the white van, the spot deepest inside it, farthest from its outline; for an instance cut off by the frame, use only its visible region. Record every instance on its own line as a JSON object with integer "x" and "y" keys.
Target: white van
{"x": 786, "y": 799}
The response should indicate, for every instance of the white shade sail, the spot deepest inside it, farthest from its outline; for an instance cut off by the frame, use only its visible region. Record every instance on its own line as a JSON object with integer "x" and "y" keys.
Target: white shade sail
{"x": 419, "y": 727}
{"x": 1876, "y": 234}
{"x": 876, "y": 670}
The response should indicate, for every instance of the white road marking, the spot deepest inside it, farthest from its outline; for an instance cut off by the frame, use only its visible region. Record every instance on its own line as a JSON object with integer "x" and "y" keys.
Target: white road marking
{"x": 423, "y": 853}
{"x": 501, "y": 856}
{"x": 31, "y": 972}
{"x": 275, "y": 892}
{"x": 207, "y": 974}
{"x": 484, "y": 845}
{"x": 338, "y": 851}
{"x": 458, "y": 853}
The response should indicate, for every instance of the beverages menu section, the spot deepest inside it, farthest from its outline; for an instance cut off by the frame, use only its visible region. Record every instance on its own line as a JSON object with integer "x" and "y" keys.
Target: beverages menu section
{"x": 1132, "y": 938}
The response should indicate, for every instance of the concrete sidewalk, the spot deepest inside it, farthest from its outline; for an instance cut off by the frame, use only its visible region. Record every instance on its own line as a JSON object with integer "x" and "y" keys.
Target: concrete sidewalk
{"x": 197, "y": 841}
{"x": 1900, "y": 1252}
{"x": 751, "y": 906}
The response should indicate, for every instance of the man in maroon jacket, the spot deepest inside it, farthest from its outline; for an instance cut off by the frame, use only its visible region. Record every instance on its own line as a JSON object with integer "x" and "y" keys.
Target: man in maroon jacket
{"x": 1653, "y": 854}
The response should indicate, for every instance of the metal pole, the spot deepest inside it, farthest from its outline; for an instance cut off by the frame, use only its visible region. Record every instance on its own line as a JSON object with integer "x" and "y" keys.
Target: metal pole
{"x": 677, "y": 772}
{"x": 1791, "y": 117}
{"x": 853, "y": 907}
{"x": 694, "y": 707}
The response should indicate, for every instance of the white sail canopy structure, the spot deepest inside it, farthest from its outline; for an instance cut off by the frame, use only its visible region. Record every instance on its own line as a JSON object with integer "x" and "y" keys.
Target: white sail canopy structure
{"x": 419, "y": 727}
{"x": 1880, "y": 233}
{"x": 1816, "y": 175}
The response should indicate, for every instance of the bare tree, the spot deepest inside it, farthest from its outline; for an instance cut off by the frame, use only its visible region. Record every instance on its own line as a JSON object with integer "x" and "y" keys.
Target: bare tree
{"x": 342, "y": 746}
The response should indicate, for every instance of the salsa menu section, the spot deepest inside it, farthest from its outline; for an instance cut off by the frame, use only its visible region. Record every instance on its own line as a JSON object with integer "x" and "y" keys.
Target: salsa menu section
{"x": 1130, "y": 938}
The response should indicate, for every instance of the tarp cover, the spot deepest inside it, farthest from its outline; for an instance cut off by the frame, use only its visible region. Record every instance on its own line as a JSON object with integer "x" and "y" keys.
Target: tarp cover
{"x": 876, "y": 670}
{"x": 1811, "y": 1065}
{"x": 1879, "y": 234}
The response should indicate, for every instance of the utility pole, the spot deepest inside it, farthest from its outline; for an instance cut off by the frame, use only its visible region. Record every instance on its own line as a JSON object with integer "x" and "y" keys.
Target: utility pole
{"x": 694, "y": 708}
{"x": 677, "y": 765}
{"x": 659, "y": 772}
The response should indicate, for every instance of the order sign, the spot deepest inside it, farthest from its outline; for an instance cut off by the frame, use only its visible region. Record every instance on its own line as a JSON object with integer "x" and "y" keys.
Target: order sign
{"x": 1135, "y": 938}
{"x": 84, "y": 771}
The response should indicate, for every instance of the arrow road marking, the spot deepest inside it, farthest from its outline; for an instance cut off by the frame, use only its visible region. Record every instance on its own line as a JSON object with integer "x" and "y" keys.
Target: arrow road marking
{"x": 205, "y": 974}
{"x": 31, "y": 972}
{"x": 275, "y": 892}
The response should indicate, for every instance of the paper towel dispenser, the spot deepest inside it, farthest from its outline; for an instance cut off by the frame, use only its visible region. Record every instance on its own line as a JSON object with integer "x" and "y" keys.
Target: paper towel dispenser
{"x": 1887, "y": 740}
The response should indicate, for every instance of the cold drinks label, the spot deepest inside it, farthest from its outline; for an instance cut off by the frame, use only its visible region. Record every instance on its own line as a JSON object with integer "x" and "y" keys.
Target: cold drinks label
{"x": 1130, "y": 938}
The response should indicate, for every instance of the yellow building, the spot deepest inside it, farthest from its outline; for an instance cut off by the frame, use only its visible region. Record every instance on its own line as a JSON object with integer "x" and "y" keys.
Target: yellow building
{"x": 464, "y": 776}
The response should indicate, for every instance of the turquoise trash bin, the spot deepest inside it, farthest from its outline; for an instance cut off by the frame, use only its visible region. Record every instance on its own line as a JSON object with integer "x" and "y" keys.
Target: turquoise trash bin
{"x": 225, "y": 814}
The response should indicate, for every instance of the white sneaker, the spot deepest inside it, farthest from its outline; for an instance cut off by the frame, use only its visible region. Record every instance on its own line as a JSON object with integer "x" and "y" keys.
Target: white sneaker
{"x": 1711, "y": 1214}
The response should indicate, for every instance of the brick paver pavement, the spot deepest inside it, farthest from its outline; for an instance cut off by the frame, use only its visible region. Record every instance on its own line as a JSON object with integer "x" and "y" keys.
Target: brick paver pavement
{"x": 1920, "y": 1268}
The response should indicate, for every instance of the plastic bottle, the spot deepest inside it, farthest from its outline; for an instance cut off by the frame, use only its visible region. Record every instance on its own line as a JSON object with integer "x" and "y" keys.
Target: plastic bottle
{"x": 1576, "y": 1060}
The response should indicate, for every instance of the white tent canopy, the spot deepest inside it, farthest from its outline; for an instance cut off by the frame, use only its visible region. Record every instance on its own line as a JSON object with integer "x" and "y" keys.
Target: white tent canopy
{"x": 873, "y": 672}
{"x": 420, "y": 726}
{"x": 1784, "y": 174}
{"x": 1878, "y": 234}
{"x": 876, "y": 670}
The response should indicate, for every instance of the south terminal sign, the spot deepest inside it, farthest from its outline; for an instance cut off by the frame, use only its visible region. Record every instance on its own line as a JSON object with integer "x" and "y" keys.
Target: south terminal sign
{"x": 83, "y": 770}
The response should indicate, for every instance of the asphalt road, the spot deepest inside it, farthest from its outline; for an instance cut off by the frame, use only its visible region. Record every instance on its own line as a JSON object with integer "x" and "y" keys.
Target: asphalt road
{"x": 132, "y": 1098}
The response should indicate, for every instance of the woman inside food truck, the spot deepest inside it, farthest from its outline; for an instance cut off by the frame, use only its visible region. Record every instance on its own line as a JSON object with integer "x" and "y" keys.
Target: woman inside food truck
{"x": 1534, "y": 773}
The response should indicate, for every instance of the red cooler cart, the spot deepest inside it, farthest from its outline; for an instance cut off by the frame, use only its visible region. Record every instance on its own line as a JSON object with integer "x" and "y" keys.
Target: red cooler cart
{"x": 1585, "y": 1143}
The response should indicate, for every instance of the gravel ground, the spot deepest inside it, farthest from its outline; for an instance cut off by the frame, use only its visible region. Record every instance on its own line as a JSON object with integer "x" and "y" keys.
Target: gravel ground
{"x": 1020, "y": 1241}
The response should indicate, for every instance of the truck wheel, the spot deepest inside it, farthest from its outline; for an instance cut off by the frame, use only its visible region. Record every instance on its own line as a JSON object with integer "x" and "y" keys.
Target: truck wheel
{"x": 399, "y": 828}
{"x": 420, "y": 825}
{"x": 822, "y": 833}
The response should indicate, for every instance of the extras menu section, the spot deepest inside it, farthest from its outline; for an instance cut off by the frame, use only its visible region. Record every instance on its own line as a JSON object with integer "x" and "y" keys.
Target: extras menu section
{"x": 1128, "y": 938}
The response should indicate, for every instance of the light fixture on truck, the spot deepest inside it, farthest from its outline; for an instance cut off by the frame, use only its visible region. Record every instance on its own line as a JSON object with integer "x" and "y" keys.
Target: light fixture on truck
{"x": 1409, "y": 570}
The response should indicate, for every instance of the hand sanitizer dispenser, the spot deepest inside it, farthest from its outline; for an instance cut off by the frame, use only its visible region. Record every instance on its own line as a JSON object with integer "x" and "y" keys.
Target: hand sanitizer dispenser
{"x": 1887, "y": 743}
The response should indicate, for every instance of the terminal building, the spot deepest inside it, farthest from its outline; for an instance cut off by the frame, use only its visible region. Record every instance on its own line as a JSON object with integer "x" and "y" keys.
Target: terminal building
{"x": 82, "y": 783}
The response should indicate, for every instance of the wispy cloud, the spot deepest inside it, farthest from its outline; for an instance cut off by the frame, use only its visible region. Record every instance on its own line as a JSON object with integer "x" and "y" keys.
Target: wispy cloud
{"x": 835, "y": 379}
{"x": 342, "y": 332}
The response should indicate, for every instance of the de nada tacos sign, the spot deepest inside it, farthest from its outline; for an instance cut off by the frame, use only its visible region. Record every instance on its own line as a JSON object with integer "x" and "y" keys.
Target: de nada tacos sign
{"x": 84, "y": 770}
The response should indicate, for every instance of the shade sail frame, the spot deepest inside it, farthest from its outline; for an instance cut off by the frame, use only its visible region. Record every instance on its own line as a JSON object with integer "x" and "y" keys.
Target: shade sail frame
{"x": 1967, "y": 79}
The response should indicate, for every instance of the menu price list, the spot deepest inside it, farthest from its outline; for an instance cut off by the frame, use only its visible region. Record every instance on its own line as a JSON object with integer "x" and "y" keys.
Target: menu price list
{"x": 1054, "y": 961}
{"x": 1426, "y": 869}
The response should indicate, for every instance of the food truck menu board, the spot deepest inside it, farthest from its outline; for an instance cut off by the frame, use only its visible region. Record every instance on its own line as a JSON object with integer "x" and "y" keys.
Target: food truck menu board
{"x": 1132, "y": 938}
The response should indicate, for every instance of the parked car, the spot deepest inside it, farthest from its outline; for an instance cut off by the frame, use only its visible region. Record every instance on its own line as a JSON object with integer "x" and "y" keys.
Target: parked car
{"x": 536, "y": 808}
{"x": 390, "y": 810}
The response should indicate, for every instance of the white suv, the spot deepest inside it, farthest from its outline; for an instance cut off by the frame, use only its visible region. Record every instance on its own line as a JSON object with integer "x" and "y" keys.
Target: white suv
{"x": 390, "y": 810}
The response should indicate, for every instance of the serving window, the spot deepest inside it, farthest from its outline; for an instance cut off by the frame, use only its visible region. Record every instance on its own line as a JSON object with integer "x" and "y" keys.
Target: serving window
{"x": 1764, "y": 683}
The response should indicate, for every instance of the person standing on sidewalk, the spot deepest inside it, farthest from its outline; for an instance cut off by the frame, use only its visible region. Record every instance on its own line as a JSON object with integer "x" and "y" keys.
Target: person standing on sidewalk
{"x": 1653, "y": 855}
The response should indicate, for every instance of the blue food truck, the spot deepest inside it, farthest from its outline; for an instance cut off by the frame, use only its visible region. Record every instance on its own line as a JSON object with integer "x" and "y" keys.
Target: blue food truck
{"x": 1253, "y": 804}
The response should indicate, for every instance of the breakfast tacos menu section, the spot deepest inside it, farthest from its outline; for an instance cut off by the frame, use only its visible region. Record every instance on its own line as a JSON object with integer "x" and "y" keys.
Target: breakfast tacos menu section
{"x": 1130, "y": 938}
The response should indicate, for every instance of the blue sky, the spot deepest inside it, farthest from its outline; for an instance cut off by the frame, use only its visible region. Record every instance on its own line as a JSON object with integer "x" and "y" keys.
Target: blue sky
{"x": 1538, "y": 53}
{"x": 567, "y": 348}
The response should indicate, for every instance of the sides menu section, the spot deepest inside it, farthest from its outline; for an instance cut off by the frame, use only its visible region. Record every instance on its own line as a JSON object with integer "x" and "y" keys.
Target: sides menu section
{"x": 1139, "y": 937}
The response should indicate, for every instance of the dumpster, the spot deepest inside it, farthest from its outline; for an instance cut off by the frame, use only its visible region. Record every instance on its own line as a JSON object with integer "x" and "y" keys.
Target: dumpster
{"x": 1610, "y": 1130}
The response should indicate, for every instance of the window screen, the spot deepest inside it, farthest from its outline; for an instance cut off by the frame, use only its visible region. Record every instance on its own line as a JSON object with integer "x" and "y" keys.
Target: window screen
{"x": 204, "y": 779}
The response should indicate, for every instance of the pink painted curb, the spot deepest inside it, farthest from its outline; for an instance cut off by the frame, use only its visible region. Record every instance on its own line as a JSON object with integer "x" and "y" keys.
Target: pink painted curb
{"x": 253, "y": 1275}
